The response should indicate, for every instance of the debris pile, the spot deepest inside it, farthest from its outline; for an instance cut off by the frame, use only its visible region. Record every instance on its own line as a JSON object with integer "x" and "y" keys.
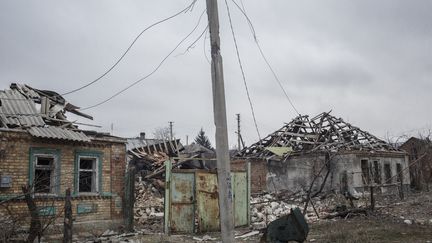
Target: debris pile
{"x": 149, "y": 206}
{"x": 267, "y": 207}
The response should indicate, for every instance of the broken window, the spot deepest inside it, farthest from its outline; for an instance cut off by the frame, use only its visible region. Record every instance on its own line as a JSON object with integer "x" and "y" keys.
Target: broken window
{"x": 44, "y": 174}
{"x": 387, "y": 173}
{"x": 365, "y": 171}
{"x": 377, "y": 172}
{"x": 87, "y": 174}
{"x": 399, "y": 172}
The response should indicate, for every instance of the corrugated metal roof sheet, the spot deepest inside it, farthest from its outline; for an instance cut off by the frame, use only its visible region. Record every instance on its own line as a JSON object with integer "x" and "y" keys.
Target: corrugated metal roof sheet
{"x": 13, "y": 102}
{"x": 17, "y": 110}
{"x": 58, "y": 133}
{"x": 22, "y": 121}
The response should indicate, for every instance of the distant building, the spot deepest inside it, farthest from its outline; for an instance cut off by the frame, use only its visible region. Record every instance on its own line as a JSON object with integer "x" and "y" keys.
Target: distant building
{"x": 420, "y": 158}
{"x": 39, "y": 148}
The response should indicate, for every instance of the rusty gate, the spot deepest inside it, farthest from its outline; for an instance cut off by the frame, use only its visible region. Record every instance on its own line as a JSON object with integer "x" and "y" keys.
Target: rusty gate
{"x": 191, "y": 200}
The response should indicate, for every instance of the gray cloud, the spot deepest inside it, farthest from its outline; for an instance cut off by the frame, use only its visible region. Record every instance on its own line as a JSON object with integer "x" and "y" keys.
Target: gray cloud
{"x": 369, "y": 61}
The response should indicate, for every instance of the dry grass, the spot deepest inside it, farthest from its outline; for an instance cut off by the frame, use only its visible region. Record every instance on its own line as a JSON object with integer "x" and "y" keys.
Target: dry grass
{"x": 369, "y": 230}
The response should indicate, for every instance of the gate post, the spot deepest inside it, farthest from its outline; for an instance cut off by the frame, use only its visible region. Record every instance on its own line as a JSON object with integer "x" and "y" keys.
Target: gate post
{"x": 248, "y": 177}
{"x": 167, "y": 198}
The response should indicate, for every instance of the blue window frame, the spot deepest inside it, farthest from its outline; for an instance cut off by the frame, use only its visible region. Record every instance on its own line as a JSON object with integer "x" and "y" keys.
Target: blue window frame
{"x": 88, "y": 172}
{"x": 44, "y": 170}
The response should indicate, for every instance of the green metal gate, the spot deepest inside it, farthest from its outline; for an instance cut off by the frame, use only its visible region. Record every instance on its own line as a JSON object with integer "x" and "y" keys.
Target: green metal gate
{"x": 191, "y": 200}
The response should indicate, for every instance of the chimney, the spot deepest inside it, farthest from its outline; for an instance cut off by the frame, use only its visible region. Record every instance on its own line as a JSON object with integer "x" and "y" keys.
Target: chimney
{"x": 45, "y": 104}
{"x": 142, "y": 135}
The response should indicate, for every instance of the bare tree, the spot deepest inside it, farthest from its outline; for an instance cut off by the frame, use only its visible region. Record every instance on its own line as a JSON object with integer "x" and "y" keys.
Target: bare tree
{"x": 162, "y": 133}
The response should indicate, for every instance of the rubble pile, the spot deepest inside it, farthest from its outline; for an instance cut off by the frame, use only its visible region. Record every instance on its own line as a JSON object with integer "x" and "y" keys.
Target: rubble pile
{"x": 149, "y": 206}
{"x": 267, "y": 207}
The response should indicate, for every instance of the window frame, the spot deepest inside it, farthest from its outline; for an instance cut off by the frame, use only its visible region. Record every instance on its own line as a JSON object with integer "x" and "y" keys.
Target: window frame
{"x": 98, "y": 169}
{"x": 377, "y": 171}
{"x": 388, "y": 174}
{"x": 55, "y": 154}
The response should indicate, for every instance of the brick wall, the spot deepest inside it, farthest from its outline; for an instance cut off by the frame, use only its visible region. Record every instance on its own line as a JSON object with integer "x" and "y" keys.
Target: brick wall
{"x": 258, "y": 173}
{"x": 14, "y": 162}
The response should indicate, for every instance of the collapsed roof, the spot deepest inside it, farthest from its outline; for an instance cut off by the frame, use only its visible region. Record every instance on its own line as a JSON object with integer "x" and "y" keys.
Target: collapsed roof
{"x": 323, "y": 132}
{"x": 39, "y": 112}
{"x": 144, "y": 147}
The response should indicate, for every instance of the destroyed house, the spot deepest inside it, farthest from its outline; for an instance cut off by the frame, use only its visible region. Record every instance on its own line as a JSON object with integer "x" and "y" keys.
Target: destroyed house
{"x": 326, "y": 152}
{"x": 149, "y": 154}
{"x": 44, "y": 151}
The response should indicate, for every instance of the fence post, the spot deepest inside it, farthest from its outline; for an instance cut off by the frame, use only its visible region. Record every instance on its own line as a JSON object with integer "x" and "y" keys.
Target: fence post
{"x": 372, "y": 199}
{"x": 401, "y": 190}
{"x": 67, "y": 230}
{"x": 129, "y": 199}
{"x": 167, "y": 202}
{"x": 249, "y": 188}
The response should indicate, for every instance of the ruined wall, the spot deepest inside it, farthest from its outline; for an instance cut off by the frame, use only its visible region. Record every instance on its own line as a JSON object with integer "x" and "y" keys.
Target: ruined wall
{"x": 258, "y": 173}
{"x": 298, "y": 171}
{"x": 104, "y": 205}
{"x": 295, "y": 173}
{"x": 352, "y": 164}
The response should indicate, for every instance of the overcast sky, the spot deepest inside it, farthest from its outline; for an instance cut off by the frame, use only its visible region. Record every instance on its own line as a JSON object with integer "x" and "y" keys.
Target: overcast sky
{"x": 368, "y": 61}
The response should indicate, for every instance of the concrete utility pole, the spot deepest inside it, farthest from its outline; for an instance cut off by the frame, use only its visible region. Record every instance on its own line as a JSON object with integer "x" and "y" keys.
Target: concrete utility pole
{"x": 238, "y": 133}
{"x": 171, "y": 129}
{"x": 219, "y": 110}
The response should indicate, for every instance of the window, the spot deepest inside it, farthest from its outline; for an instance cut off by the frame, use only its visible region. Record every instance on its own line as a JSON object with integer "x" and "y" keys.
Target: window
{"x": 88, "y": 174}
{"x": 399, "y": 172}
{"x": 365, "y": 171}
{"x": 44, "y": 174}
{"x": 377, "y": 172}
{"x": 44, "y": 170}
{"x": 387, "y": 173}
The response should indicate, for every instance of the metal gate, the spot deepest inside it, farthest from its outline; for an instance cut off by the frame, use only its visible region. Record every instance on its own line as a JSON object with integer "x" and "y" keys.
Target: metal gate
{"x": 191, "y": 200}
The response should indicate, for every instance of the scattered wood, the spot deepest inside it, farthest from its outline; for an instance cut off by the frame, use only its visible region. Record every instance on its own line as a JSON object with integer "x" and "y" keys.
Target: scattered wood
{"x": 321, "y": 133}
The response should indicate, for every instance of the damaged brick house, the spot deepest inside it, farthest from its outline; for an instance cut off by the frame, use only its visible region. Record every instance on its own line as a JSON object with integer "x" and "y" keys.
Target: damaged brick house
{"x": 43, "y": 150}
{"x": 420, "y": 158}
{"x": 336, "y": 154}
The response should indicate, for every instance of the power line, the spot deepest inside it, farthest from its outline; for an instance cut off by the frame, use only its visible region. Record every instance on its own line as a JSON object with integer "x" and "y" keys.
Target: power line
{"x": 243, "y": 11}
{"x": 191, "y": 46}
{"x": 204, "y": 47}
{"x": 189, "y": 7}
{"x": 242, "y": 71}
{"x": 151, "y": 73}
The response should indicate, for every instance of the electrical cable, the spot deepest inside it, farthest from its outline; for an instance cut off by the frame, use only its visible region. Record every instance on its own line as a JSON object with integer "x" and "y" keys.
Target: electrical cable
{"x": 204, "y": 48}
{"x": 189, "y": 7}
{"x": 191, "y": 46}
{"x": 151, "y": 73}
{"x": 242, "y": 71}
{"x": 243, "y": 11}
